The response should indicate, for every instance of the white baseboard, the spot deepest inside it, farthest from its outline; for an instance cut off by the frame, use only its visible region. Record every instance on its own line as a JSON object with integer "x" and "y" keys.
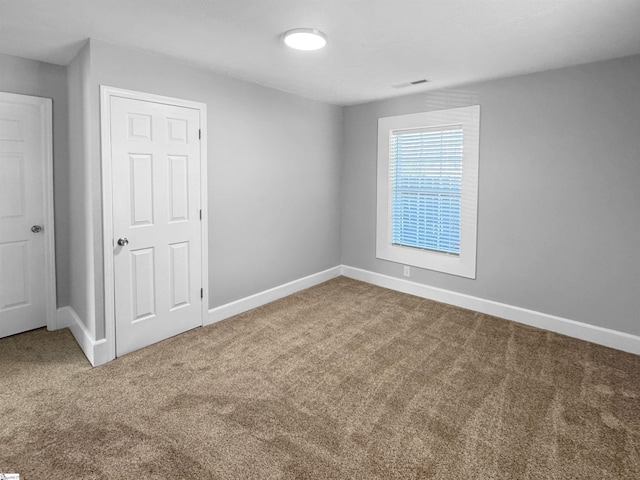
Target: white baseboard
{"x": 94, "y": 350}
{"x": 583, "y": 331}
{"x": 244, "y": 304}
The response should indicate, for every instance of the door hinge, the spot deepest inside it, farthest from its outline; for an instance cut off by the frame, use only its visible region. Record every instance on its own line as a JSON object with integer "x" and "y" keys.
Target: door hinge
{"x": 200, "y": 214}
{"x": 199, "y": 134}
{"x": 202, "y": 293}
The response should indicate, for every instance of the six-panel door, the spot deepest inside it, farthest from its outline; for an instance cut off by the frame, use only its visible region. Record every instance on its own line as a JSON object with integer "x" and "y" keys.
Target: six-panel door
{"x": 156, "y": 211}
{"x": 22, "y": 264}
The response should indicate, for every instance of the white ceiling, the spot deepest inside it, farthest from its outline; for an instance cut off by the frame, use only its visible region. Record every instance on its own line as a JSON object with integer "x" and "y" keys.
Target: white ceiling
{"x": 373, "y": 44}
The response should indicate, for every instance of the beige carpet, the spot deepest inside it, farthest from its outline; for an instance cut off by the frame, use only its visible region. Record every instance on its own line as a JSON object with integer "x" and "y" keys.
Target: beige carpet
{"x": 343, "y": 380}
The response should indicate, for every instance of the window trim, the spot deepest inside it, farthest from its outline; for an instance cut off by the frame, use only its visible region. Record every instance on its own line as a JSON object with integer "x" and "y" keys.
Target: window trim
{"x": 464, "y": 264}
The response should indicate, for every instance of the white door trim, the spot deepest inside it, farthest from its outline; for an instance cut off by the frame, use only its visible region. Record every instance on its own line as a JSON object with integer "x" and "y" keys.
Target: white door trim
{"x": 106, "y": 93}
{"x": 46, "y": 119}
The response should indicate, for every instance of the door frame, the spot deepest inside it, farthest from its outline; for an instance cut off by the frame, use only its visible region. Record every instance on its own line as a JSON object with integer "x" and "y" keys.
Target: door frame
{"x": 106, "y": 93}
{"x": 46, "y": 130}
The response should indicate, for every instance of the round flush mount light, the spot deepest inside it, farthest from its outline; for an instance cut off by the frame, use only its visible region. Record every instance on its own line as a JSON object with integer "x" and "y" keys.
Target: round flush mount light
{"x": 305, "y": 39}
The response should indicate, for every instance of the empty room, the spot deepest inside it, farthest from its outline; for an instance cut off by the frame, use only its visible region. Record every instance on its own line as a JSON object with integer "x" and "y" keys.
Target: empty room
{"x": 319, "y": 239}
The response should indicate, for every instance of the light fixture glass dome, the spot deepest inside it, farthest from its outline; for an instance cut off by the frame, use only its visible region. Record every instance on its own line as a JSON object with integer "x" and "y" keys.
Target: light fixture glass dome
{"x": 305, "y": 39}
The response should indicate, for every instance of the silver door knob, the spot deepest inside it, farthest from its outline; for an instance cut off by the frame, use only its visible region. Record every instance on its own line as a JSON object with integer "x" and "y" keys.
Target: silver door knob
{"x": 36, "y": 229}
{"x": 123, "y": 241}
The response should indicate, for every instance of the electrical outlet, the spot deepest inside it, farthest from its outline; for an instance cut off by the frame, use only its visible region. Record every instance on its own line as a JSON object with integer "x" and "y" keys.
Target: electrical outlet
{"x": 407, "y": 271}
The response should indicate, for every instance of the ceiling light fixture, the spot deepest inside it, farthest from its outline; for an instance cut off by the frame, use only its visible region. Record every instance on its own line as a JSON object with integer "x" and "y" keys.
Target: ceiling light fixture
{"x": 305, "y": 39}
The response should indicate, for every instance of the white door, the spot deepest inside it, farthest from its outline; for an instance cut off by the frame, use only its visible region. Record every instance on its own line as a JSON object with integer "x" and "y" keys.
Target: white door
{"x": 24, "y": 152}
{"x": 155, "y": 155}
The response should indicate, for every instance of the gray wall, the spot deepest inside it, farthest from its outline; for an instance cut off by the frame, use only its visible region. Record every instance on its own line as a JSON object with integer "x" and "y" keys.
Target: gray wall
{"x": 559, "y": 174}
{"x": 80, "y": 233}
{"x": 559, "y": 192}
{"x": 28, "y": 77}
{"x": 273, "y": 165}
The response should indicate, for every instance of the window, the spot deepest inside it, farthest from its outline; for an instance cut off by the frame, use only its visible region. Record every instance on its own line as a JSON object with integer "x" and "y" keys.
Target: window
{"x": 427, "y": 189}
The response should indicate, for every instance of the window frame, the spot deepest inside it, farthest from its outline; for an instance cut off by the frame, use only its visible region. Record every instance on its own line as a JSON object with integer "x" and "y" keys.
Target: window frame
{"x": 463, "y": 264}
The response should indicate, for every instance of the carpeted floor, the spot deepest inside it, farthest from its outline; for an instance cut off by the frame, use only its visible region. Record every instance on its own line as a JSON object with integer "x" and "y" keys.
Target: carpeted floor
{"x": 343, "y": 380}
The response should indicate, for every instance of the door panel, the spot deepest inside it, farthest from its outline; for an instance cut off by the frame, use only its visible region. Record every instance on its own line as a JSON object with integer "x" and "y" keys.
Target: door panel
{"x": 11, "y": 185}
{"x": 178, "y": 188}
{"x": 156, "y": 201}
{"x": 22, "y": 259}
{"x": 141, "y": 189}
{"x": 179, "y": 271}
{"x": 15, "y": 289}
{"x": 144, "y": 284}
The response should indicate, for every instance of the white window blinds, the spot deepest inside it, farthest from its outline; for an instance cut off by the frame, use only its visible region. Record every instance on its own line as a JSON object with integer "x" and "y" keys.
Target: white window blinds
{"x": 425, "y": 173}
{"x": 427, "y": 189}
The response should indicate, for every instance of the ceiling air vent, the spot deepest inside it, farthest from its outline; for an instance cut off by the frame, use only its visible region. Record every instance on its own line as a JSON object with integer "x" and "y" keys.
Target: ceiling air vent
{"x": 410, "y": 84}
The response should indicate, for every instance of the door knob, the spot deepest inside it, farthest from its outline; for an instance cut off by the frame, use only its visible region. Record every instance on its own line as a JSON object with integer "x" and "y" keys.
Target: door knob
{"x": 123, "y": 241}
{"x": 36, "y": 229}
